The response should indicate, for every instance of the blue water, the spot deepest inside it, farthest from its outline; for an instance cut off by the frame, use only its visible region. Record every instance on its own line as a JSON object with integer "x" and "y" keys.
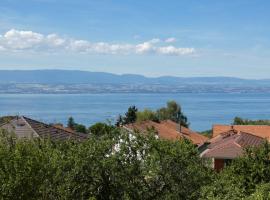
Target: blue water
{"x": 202, "y": 109}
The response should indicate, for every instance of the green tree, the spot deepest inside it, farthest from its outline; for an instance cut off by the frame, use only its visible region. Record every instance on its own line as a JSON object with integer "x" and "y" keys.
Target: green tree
{"x": 75, "y": 126}
{"x": 71, "y": 123}
{"x": 130, "y": 116}
{"x": 262, "y": 192}
{"x": 80, "y": 128}
{"x": 101, "y": 129}
{"x": 119, "y": 121}
{"x": 241, "y": 179}
{"x": 118, "y": 166}
{"x": 240, "y": 121}
{"x": 173, "y": 112}
{"x": 145, "y": 115}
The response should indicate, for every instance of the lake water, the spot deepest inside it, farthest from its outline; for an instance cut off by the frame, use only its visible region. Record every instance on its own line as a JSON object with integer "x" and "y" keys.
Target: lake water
{"x": 202, "y": 109}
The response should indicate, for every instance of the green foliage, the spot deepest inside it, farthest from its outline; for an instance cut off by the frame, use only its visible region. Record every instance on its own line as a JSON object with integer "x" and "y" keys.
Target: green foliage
{"x": 241, "y": 179}
{"x": 240, "y": 121}
{"x": 119, "y": 121}
{"x": 101, "y": 129}
{"x": 113, "y": 164}
{"x": 121, "y": 166}
{"x": 75, "y": 126}
{"x": 145, "y": 115}
{"x": 80, "y": 128}
{"x": 207, "y": 133}
{"x": 173, "y": 112}
{"x": 71, "y": 123}
{"x": 262, "y": 192}
{"x": 130, "y": 116}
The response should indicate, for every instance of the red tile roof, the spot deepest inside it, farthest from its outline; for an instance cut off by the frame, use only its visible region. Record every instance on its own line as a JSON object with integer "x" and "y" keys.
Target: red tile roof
{"x": 168, "y": 130}
{"x": 258, "y": 130}
{"x": 231, "y": 144}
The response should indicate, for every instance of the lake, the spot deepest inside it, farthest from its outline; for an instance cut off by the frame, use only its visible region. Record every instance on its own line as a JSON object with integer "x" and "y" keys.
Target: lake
{"x": 202, "y": 109}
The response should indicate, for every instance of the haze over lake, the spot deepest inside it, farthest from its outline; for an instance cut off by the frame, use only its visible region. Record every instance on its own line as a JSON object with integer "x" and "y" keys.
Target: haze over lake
{"x": 202, "y": 109}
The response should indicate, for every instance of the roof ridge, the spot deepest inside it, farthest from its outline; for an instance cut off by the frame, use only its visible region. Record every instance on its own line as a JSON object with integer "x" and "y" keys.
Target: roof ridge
{"x": 49, "y": 125}
{"x": 29, "y": 125}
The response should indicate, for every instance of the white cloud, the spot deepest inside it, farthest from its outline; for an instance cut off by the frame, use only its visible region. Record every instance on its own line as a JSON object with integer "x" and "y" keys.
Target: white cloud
{"x": 171, "y": 50}
{"x": 170, "y": 40}
{"x": 16, "y": 40}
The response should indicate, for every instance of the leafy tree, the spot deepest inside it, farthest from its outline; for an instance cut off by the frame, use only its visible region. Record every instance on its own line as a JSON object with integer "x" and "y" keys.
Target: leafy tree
{"x": 121, "y": 166}
{"x": 101, "y": 129}
{"x": 75, "y": 126}
{"x": 262, "y": 192}
{"x": 173, "y": 112}
{"x": 145, "y": 115}
{"x": 241, "y": 179}
{"x": 130, "y": 116}
{"x": 80, "y": 128}
{"x": 240, "y": 121}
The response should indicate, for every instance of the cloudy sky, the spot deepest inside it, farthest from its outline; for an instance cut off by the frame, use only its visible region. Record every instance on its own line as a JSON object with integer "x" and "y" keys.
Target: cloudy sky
{"x": 153, "y": 37}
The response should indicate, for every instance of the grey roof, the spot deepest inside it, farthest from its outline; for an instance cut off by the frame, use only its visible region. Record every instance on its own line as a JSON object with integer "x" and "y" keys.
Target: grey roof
{"x": 25, "y": 127}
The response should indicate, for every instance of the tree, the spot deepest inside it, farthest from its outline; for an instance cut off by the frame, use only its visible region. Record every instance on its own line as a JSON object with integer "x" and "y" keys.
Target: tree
{"x": 75, "y": 126}
{"x": 173, "y": 112}
{"x": 121, "y": 166}
{"x": 80, "y": 128}
{"x": 130, "y": 116}
{"x": 71, "y": 123}
{"x": 240, "y": 121}
{"x": 241, "y": 179}
{"x": 119, "y": 121}
{"x": 101, "y": 129}
{"x": 145, "y": 115}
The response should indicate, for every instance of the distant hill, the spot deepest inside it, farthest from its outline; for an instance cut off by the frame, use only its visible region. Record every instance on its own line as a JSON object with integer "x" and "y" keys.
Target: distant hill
{"x": 85, "y": 77}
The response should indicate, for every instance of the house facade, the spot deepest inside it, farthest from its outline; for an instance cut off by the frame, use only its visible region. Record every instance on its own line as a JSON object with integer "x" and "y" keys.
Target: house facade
{"x": 226, "y": 146}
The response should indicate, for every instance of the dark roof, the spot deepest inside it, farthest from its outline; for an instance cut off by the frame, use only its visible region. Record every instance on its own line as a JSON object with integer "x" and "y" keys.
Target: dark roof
{"x": 52, "y": 132}
{"x": 25, "y": 127}
{"x": 231, "y": 144}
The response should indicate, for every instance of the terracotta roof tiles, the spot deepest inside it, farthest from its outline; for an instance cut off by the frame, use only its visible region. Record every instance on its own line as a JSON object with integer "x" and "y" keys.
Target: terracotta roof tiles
{"x": 168, "y": 129}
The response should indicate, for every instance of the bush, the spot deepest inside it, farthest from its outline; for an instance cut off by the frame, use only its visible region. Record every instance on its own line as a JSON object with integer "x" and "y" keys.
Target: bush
{"x": 120, "y": 166}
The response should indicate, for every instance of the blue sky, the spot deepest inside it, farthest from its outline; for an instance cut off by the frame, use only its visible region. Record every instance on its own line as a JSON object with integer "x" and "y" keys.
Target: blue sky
{"x": 153, "y": 37}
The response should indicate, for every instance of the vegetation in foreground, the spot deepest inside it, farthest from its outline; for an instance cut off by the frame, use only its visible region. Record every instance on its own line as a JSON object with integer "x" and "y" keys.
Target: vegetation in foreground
{"x": 113, "y": 164}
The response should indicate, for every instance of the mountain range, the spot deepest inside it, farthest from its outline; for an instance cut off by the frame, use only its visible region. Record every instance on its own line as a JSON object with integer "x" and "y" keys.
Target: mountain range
{"x": 86, "y": 77}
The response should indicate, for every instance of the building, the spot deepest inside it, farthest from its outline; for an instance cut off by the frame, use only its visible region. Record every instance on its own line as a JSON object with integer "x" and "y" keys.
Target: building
{"x": 226, "y": 146}
{"x": 258, "y": 130}
{"x": 24, "y": 127}
{"x": 168, "y": 129}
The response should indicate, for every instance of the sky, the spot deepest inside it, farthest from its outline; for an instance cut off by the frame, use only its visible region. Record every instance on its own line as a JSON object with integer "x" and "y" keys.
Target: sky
{"x": 186, "y": 38}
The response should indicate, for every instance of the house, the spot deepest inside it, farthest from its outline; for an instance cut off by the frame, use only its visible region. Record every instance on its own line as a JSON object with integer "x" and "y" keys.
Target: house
{"x": 168, "y": 129}
{"x": 258, "y": 130}
{"x": 226, "y": 146}
{"x": 24, "y": 127}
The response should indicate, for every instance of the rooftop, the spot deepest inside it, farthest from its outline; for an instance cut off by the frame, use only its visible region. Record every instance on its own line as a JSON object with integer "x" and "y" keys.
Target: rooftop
{"x": 258, "y": 130}
{"x": 168, "y": 129}
{"x": 231, "y": 144}
{"x": 24, "y": 127}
